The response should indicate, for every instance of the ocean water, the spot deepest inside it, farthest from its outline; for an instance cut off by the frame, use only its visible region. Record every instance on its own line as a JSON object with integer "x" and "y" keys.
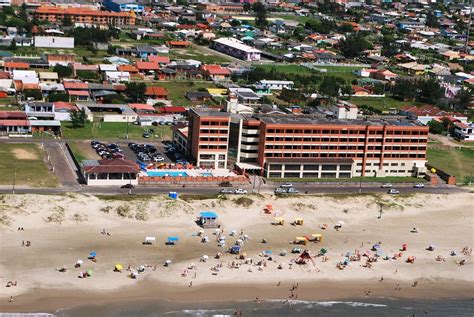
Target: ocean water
{"x": 274, "y": 308}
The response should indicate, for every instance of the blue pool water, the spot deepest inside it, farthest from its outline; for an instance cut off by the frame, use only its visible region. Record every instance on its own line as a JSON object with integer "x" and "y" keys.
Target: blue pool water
{"x": 171, "y": 174}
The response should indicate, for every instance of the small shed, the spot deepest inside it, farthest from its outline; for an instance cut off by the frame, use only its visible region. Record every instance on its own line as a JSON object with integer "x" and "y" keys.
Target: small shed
{"x": 208, "y": 219}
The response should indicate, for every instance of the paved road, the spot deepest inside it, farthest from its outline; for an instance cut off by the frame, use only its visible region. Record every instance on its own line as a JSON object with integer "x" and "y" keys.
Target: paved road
{"x": 209, "y": 190}
{"x": 62, "y": 163}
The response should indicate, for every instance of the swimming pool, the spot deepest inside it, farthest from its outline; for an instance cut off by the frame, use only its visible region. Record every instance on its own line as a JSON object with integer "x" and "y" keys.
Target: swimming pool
{"x": 167, "y": 173}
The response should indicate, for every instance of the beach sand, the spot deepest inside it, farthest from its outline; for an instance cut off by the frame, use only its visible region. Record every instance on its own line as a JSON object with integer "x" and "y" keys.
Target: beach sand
{"x": 63, "y": 229}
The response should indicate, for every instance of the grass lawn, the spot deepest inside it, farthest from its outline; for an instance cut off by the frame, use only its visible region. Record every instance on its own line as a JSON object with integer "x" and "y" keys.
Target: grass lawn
{"x": 112, "y": 130}
{"x": 458, "y": 162}
{"x": 291, "y": 17}
{"x": 383, "y": 104}
{"x": 191, "y": 53}
{"x": 24, "y": 162}
{"x": 82, "y": 151}
{"x": 178, "y": 89}
{"x": 336, "y": 71}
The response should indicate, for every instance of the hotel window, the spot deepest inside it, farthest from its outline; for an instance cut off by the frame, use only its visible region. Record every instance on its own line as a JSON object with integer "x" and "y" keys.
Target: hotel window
{"x": 274, "y": 175}
{"x": 345, "y": 167}
{"x": 344, "y": 175}
{"x": 292, "y": 175}
{"x": 310, "y": 175}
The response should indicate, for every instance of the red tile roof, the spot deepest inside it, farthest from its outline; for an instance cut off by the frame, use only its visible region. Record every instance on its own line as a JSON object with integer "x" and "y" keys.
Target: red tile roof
{"x": 75, "y": 85}
{"x": 159, "y": 59}
{"x": 21, "y": 65}
{"x": 12, "y": 115}
{"x": 113, "y": 166}
{"x": 179, "y": 43}
{"x": 64, "y": 105}
{"x": 141, "y": 106}
{"x": 148, "y": 65}
{"x": 128, "y": 68}
{"x": 216, "y": 70}
{"x": 173, "y": 109}
{"x": 156, "y": 91}
{"x": 4, "y": 75}
{"x": 78, "y": 93}
{"x": 14, "y": 123}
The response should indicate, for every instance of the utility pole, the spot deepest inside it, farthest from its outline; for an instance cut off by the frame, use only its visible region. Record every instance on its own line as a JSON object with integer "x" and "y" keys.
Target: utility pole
{"x": 126, "y": 136}
{"x": 14, "y": 179}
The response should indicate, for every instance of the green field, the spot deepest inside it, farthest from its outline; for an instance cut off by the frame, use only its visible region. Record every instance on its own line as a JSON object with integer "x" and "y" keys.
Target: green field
{"x": 192, "y": 53}
{"x": 336, "y": 71}
{"x": 178, "y": 89}
{"x": 457, "y": 162}
{"x": 112, "y": 130}
{"x": 24, "y": 164}
{"x": 291, "y": 17}
{"x": 82, "y": 150}
{"x": 286, "y": 69}
{"x": 383, "y": 104}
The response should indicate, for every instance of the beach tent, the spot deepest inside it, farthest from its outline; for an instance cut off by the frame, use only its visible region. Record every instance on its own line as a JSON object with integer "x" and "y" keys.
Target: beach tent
{"x": 317, "y": 237}
{"x": 149, "y": 240}
{"x": 172, "y": 240}
{"x": 300, "y": 240}
{"x": 299, "y": 221}
{"x": 235, "y": 249}
{"x": 208, "y": 219}
{"x": 118, "y": 267}
{"x": 278, "y": 221}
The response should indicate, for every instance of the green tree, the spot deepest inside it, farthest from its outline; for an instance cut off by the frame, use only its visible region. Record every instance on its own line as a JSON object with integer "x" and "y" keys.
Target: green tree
{"x": 12, "y": 46}
{"x": 87, "y": 75}
{"x": 247, "y": 7}
{"x": 63, "y": 71}
{"x": 67, "y": 21}
{"x": 436, "y": 127}
{"x": 58, "y": 96}
{"x": 36, "y": 94}
{"x": 404, "y": 89}
{"x": 136, "y": 91}
{"x": 431, "y": 20}
{"x": 463, "y": 99}
{"x": 78, "y": 118}
{"x": 260, "y": 12}
{"x": 353, "y": 45}
{"x": 430, "y": 90}
{"x": 331, "y": 86}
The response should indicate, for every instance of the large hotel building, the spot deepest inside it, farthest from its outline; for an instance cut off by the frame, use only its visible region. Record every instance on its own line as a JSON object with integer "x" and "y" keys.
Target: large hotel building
{"x": 84, "y": 16}
{"x": 290, "y": 146}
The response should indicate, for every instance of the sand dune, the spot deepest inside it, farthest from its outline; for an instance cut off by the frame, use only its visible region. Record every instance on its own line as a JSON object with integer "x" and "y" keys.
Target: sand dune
{"x": 63, "y": 229}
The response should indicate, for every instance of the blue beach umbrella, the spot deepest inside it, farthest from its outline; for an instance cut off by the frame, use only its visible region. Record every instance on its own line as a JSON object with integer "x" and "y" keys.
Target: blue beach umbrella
{"x": 93, "y": 254}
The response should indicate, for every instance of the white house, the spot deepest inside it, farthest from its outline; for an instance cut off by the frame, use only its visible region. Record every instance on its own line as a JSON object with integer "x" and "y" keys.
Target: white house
{"x": 107, "y": 68}
{"x": 464, "y": 131}
{"x": 276, "y": 84}
{"x": 115, "y": 172}
{"x": 54, "y": 42}
{"x": 26, "y": 76}
{"x": 117, "y": 77}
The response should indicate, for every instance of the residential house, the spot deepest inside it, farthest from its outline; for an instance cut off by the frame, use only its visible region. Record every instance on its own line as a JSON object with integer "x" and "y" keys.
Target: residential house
{"x": 62, "y": 110}
{"x": 48, "y": 77}
{"x": 236, "y": 48}
{"x": 464, "y": 131}
{"x": 427, "y": 113}
{"x": 215, "y": 72}
{"x": 142, "y": 108}
{"x": 156, "y": 92}
{"x": 11, "y": 65}
{"x": 25, "y": 76}
{"x": 82, "y": 67}
{"x": 161, "y": 60}
{"x": 276, "y": 84}
{"x": 413, "y": 68}
{"x": 383, "y": 74}
{"x": 198, "y": 96}
{"x": 132, "y": 70}
{"x": 61, "y": 59}
{"x": 143, "y": 51}
{"x": 117, "y": 76}
{"x": 114, "y": 172}
{"x": 246, "y": 96}
{"x": 147, "y": 68}
{"x": 14, "y": 122}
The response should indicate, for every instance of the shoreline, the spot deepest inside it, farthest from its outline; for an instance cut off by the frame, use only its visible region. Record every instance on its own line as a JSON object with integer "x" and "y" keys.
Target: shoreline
{"x": 52, "y": 300}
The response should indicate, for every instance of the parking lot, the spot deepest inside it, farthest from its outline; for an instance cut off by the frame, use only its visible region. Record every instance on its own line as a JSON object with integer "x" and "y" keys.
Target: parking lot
{"x": 147, "y": 152}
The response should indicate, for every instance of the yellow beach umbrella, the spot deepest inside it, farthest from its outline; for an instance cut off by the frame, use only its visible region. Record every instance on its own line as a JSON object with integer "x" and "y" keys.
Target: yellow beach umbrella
{"x": 118, "y": 267}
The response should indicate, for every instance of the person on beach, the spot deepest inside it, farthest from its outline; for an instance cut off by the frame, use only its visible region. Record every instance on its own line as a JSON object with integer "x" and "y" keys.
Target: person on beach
{"x": 415, "y": 284}
{"x": 11, "y": 299}
{"x": 191, "y": 284}
{"x": 279, "y": 283}
{"x": 22, "y": 243}
{"x": 381, "y": 279}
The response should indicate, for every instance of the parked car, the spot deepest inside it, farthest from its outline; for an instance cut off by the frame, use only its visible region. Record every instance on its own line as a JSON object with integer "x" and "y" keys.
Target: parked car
{"x": 286, "y": 185}
{"x": 240, "y": 191}
{"x": 292, "y": 190}
{"x": 280, "y": 190}
{"x": 146, "y": 135}
{"x": 226, "y": 191}
{"x": 419, "y": 185}
{"x": 158, "y": 158}
{"x": 387, "y": 185}
{"x": 129, "y": 186}
{"x": 393, "y": 191}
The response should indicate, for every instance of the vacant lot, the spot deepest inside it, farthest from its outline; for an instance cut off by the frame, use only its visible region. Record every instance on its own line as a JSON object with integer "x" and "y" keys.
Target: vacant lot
{"x": 337, "y": 71}
{"x": 112, "y": 130}
{"x": 192, "y": 53}
{"x": 458, "y": 162}
{"x": 24, "y": 163}
{"x": 383, "y": 104}
{"x": 83, "y": 151}
{"x": 177, "y": 90}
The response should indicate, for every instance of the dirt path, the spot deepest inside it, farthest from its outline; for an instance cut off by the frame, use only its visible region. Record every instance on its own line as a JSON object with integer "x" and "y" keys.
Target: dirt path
{"x": 445, "y": 141}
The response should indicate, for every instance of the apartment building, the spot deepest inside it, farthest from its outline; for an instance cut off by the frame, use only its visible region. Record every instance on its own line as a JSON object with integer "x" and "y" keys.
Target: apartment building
{"x": 84, "y": 16}
{"x": 208, "y": 135}
{"x": 236, "y": 48}
{"x": 302, "y": 147}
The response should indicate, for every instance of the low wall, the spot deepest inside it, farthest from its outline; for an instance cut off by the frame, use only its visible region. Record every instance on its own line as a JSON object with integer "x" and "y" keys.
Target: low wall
{"x": 153, "y": 180}
{"x": 448, "y": 178}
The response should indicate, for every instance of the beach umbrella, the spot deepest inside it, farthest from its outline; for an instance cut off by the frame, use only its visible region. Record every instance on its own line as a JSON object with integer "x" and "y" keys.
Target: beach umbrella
{"x": 141, "y": 268}
{"x": 205, "y": 257}
{"x": 167, "y": 262}
{"x": 93, "y": 254}
{"x": 89, "y": 272}
{"x": 323, "y": 251}
{"x": 80, "y": 262}
{"x": 267, "y": 252}
{"x": 118, "y": 267}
